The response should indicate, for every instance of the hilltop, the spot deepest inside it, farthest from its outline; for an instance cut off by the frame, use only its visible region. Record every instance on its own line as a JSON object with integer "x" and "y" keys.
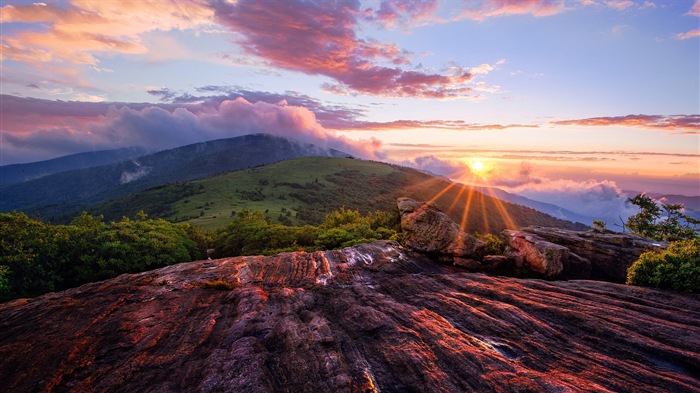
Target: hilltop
{"x": 302, "y": 190}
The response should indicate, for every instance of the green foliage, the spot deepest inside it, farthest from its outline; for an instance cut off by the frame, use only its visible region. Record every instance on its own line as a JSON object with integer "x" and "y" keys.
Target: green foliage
{"x": 37, "y": 257}
{"x": 494, "y": 244}
{"x": 220, "y": 285}
{"x": 677, "y": 268}
{"x": 250, "y": 233}
{"x": 672, "y": 226}
{"x": 599, "y": 225}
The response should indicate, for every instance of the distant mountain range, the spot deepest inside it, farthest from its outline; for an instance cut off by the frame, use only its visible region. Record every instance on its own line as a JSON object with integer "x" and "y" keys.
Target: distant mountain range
{"x": 60, "y": 188}
{"x": 70, "y": 191}
{"x": 17, "y": 173}
{"x": 552, "y": 210}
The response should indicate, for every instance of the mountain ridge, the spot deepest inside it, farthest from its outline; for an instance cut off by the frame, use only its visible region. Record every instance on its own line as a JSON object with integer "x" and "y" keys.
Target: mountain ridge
{"x": 17, "y": 173}
{"x": 71, "y": 191}
{"x": 302, "y": 190}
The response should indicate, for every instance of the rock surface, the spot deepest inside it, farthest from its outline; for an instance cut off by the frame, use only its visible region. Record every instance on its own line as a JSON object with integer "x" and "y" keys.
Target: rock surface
{"x": 371, "y": 318}
{"x": 599, "y": 255}
{"x": 426, "y": 229}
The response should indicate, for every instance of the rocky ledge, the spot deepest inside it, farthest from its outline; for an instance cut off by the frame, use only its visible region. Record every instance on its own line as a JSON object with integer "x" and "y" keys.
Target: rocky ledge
{"x": 371, "y": 318}
{"x": 551, "y": 253}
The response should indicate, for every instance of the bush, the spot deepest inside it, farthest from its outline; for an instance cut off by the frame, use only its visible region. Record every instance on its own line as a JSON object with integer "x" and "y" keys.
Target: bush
{"x": 219, "y": 285}
{"x": 250, "y": 233}
{"x": 676, "y": 268}
{"x": 494, "y": 244}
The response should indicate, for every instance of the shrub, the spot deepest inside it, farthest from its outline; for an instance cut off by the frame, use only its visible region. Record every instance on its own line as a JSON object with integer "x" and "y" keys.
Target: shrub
{"x": 219, "y": 285}
{"x": 677, "y": 268}
{"x": 494, "y": 244}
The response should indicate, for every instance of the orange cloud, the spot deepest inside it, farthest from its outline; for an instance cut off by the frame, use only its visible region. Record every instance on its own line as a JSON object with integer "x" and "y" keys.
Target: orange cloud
{"x": 679, "y": 122}
{"x": 75, "y": 34}
{"x": 457, "y": 125}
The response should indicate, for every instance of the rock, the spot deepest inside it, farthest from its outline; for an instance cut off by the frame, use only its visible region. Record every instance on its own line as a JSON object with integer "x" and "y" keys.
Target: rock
{"x": 373, "y": 317}
{"x": 426, "y": 229}
{"x": 535, "y": 254}
{"x": 610, "y": 253}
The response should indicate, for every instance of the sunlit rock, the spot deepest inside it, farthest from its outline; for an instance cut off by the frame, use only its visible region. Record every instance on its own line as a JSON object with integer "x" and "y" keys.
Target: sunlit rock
{"x": 610, "y": 253}
{"x": 374, "y": 317}
{"x": 426, "y": 229}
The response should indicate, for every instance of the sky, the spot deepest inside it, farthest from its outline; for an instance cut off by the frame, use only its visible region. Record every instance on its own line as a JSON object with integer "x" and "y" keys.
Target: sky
{"x": 565, "y": 101}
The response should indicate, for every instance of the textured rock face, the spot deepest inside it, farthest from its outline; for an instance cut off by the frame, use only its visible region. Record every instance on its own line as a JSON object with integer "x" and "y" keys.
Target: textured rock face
{"x": 371, "y": 318}
{"x": 536, "y": 254}
{"x": 595, "y": 255}
{"x": 429, "y": 230}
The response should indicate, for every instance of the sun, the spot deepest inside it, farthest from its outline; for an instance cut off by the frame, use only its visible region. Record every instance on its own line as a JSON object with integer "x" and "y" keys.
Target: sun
{"x": 478, "y": 166}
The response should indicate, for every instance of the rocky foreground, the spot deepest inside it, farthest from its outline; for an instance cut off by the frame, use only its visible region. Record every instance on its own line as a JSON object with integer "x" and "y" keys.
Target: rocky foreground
{"x": 371, "y": 318}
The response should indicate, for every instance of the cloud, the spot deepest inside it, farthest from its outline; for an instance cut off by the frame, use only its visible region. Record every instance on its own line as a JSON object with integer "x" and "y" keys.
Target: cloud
{"x": 677, "y": 122}
{"x": 688, "y": 35}
{"x": 40, "y": 129}
{"x": 695, "y": 9}
{"x": 404, "y": 12}
{"x": 83, "y": 28}
{"x": 438, "y": 166}
{"x": 590, "y": 198}
{"x": 481, "y": 10}
{"x": 457, "y": 125}
{"x": 319, "y": 38}
{"x": 619, "y": 5}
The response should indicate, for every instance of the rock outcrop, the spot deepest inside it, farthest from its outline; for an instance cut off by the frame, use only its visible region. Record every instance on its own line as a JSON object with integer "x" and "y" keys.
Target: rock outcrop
{"x": 370, "y": 318}
{"x": 428, "y": 230}
{"x": 532, "y": 253}
{"x": 561, "y": 253}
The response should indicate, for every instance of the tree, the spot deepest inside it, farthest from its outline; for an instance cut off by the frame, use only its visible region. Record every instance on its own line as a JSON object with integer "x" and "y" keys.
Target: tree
{"x": 650, "y": 222}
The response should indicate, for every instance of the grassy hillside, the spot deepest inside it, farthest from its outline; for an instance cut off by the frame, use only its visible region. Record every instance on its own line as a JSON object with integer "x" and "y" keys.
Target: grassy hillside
{"x": 61, "y": 196}
{"x": 301, "y": 191}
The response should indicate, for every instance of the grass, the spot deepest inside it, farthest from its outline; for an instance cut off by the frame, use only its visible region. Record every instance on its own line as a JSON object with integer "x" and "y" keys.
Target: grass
{"x": 301, "y": 191}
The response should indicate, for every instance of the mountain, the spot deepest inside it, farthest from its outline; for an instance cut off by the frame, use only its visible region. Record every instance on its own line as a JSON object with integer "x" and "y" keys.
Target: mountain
{"x": 302, "y": 190}
{"x": 69, "y": 192}
{"x": 548, "y": 208}
{"x": 17, "y": 173}
{"x": 690, "y": 203}
{"x": 370, "y": 318}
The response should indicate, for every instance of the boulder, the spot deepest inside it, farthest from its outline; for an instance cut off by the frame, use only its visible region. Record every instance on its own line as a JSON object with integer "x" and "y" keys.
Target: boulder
{"x": 426, "y": 229}
{"x": 532, "y": 253}
{"x": 610, "y": 253}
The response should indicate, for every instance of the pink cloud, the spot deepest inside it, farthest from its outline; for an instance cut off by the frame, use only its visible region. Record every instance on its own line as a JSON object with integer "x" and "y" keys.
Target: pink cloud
{"x": 688, "y": 35}
{"x": 34, "y": 129}
{"x": 695, "y": 9}
{"x": 619, "y": 5}
{"x": 393, "y": 12}
{"x": 678, "y": 122}
{"x": 319, "y": 38}
{"x": 484, "y": 9}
